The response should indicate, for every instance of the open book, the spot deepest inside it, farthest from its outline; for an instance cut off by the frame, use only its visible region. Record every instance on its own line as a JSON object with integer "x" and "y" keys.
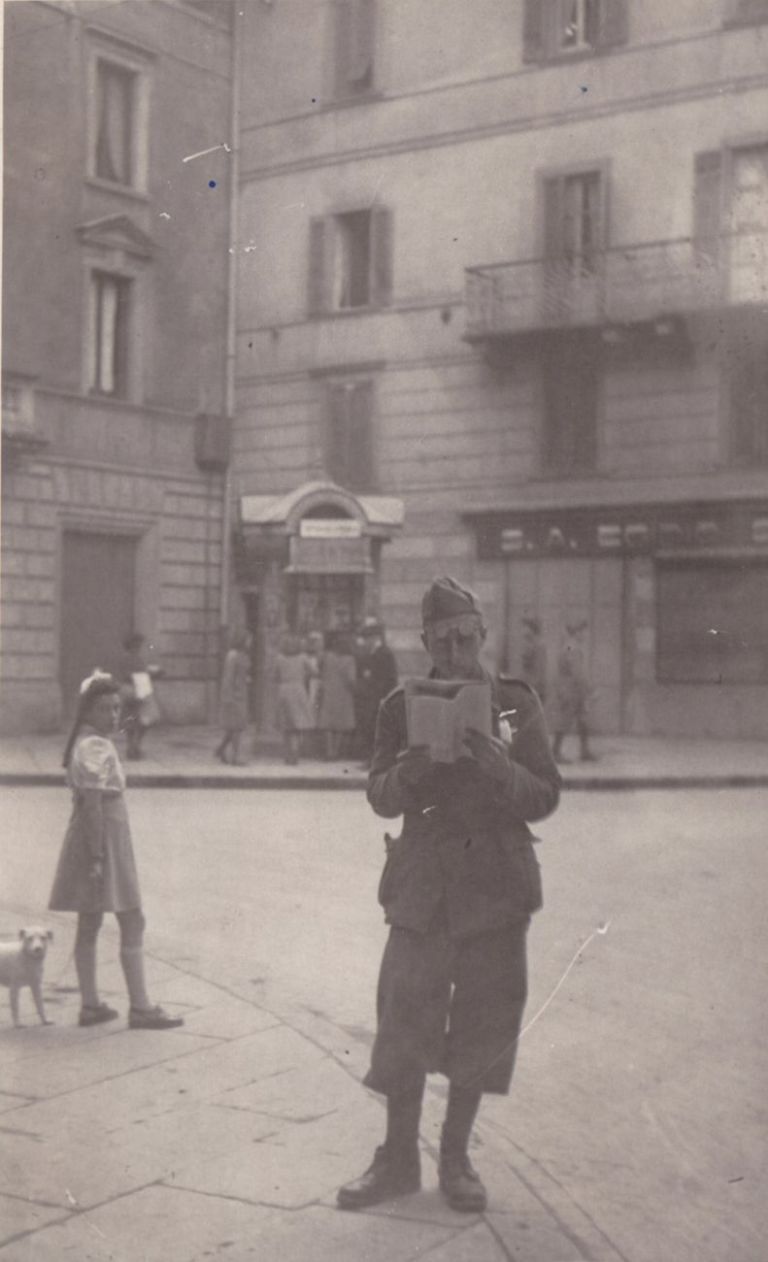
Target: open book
{"x": 438, "y": 712}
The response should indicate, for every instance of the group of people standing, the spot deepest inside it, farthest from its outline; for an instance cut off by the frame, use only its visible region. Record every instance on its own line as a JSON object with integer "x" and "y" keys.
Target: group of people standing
{"x": 328, "y": 693}
{"x": 329, "y": 687}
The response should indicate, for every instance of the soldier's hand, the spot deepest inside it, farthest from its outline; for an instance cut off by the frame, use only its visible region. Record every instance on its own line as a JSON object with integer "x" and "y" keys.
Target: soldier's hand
{"x": 490, "y": 754}
{"x": 413, "y": 764}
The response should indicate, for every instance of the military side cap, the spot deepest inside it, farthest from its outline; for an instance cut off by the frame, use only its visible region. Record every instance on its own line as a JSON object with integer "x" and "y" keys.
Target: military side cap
{"x": 447, "y": 599}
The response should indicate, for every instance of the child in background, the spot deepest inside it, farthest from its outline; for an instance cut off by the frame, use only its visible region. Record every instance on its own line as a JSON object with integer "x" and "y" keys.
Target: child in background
{"x": 96, "y": 870}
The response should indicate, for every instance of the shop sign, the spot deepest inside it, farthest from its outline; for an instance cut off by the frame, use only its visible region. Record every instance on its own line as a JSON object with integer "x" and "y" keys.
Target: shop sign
{"x": 330, "y": 528}
{"x": 330, "y": 556}
{"x": 623, "y": 531}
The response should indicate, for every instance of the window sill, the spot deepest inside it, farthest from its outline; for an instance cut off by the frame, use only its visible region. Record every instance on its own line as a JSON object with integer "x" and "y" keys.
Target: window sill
{"x": 577, "y": 56}
{"x": 120, "y": 190}
{"x": 344, "y": 313}
{"x": 345, "y": 102}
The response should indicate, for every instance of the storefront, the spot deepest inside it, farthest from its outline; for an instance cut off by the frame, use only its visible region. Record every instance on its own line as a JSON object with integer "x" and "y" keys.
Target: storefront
{"x": 307, "y": 562}
{"x": 675, "y": 598}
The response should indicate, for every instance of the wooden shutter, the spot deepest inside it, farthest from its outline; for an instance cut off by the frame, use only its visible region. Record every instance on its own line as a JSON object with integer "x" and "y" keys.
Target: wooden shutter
{"x": 349, "y": 434}
{"x": 747, "y": 374}
{"x": 317, "y": 274}
{"x": 746, "y": 12}
{"x": 612, "y": 25}
{"x": 355, "y": 45}
{"x": 535, "y": 21}
{"x": 707, "y": 196}
{"x": 554, "y": 241}
{"x": 381, "y": 244}
{"x": 337, "y": 431}
{"x": 360, "y": 461}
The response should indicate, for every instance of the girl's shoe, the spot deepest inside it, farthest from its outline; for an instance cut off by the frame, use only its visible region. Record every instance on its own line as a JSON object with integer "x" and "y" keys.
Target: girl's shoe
{"x": 95, "y": 1016}
{"x": 152, "y": 1019}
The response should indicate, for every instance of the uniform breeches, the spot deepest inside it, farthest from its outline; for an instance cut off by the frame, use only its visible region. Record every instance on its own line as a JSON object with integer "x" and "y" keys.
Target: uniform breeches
{"x": 452, "y": 1006}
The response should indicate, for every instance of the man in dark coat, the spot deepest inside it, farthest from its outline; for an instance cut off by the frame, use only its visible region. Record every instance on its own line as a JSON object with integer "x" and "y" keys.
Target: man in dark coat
{"x": 376, "y": 677}
{"x": 458, "y": 890}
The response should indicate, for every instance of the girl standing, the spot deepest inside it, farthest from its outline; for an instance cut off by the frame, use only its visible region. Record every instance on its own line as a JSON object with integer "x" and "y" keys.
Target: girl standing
{"x": 96, "y": 870}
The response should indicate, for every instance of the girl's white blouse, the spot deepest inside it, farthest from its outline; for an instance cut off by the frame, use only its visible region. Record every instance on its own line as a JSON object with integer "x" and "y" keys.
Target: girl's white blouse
{"x": 95, "y": 764}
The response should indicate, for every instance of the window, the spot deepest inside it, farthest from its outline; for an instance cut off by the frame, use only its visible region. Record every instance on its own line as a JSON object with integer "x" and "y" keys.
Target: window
{"x": 115, "y": 113}
{"x": 570, "y": 380}
{"x": 354, "y": 47}
{"x": 350, "y": 261}
{"x": 746, "y": 387}
{"x": 573, "y": 220}
{"x": 118, "y": 111}
{"x": 349, "y": 434}
{"x": 220, "y": 11}
{"x": 746, "y": 12}
{"x": 110, "y": 297}
{"x": 712, "y": 622}
{"x": 559, "y": 28}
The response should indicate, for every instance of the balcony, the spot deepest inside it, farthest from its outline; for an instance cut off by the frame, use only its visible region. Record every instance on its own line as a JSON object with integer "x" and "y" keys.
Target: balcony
{"x": 622, "y": 285}
{"x": 21, "y": 432}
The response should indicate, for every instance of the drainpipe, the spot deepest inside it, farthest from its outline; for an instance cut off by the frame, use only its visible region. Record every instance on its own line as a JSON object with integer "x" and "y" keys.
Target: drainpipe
{"x": 231, "y": 319}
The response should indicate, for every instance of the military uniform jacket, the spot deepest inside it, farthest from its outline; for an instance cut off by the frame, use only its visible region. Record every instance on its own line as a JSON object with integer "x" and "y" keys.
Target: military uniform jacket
{"x": 465, "y": 850}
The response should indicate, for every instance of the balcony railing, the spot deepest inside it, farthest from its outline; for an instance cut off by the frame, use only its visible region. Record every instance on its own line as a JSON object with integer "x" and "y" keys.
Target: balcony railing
{"x": 620, "y": 285}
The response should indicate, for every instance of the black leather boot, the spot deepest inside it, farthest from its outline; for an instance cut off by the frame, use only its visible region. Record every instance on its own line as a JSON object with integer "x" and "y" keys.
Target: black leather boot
{"x": 388, "y": 1176}
{"x": 460, "y": 1183}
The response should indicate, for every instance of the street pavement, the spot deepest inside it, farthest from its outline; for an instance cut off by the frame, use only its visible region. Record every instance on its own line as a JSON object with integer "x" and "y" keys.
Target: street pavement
{"x": 180, "y": 757}
{"x": 632, "y": 1132}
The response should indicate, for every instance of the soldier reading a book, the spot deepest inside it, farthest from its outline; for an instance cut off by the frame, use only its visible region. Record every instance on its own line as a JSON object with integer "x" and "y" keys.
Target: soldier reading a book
{"x": 465, "y": 759}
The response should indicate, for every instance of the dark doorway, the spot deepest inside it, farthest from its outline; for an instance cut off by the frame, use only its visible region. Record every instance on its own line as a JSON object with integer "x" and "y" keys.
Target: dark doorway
{"x": 97, "y": 605}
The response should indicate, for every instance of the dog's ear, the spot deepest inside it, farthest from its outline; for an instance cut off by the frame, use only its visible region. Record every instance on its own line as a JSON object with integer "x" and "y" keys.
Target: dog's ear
{"x": 22, "y": 934}
{"x": 49, "y": 934}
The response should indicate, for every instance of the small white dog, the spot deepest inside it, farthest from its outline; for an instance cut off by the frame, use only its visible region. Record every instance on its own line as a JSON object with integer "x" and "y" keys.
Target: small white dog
{"x": 21, "y": 964}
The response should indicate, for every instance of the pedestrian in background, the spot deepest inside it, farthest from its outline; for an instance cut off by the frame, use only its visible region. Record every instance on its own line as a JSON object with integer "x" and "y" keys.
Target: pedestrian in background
{"x": 533, "y": 659}
{"x": 572, "y": 693}
{"x": 312, "y": 647}
{"x": 233, "y": 699}
{"x": 337, "y": 694}
{"x": 96, "y": 871}
{"x": 293, "y": 671}
{"x": 376, "y": 677}
{"x": 458, "y": 890}
{"x": 140, "y": 710}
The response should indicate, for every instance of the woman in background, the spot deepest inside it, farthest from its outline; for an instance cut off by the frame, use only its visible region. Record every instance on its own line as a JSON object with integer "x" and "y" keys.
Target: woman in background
{"x": 293, "y": 671}
{"x": 233, "y": 700}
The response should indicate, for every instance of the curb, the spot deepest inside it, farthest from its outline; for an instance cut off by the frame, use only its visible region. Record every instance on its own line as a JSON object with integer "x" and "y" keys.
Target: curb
{"x": 176, "y": 780}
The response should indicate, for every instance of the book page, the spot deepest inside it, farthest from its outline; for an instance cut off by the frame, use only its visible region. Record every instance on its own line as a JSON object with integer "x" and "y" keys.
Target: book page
{"x": 438, "y": 712}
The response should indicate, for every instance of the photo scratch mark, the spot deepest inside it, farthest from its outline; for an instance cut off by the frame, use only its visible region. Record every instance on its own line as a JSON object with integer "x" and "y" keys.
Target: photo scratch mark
{"x": 204, "y": 152}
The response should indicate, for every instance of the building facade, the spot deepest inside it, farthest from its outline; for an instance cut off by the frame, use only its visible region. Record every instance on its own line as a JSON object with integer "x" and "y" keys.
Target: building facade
{"x": 503, "y": 305}
{"x": 116, "y": 298}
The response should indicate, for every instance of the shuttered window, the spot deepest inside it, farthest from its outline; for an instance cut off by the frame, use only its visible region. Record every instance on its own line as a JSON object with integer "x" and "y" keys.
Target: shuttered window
{"x": 354, "y": 47}
{"x": 746, "y": 387}
{"x": 746, "y": 12}
{"x": 349, "y": 453}
{"x": 350, "y": 261}
{"x": 115, "y": 113}
{"x": 109, "y": 334}
{"x": 573, "y": 218}
{"x": 556, "y": 28}
{"x": 712, "y": 622}
{"x": 707, "y": 203}
{"x": 570, "y": 396}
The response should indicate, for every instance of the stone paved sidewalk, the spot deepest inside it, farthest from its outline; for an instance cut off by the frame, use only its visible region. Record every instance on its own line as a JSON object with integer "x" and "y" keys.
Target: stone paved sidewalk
{"x": 183, "y": 757}
{"x": 228, "y": 1138}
